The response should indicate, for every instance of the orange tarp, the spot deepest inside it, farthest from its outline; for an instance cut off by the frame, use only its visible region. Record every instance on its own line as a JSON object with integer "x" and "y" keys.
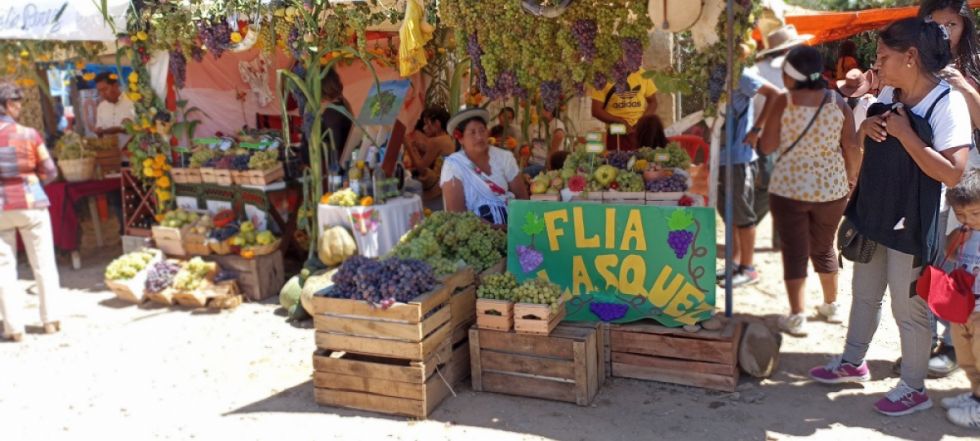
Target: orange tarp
{"x": 832, "y": 26}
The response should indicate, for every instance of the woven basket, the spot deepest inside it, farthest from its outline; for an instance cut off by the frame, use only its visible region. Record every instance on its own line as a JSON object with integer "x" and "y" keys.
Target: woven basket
{"x": 221, "y": 248}
{"x": 261, "y": 250}
{"x": 77, "y": 170}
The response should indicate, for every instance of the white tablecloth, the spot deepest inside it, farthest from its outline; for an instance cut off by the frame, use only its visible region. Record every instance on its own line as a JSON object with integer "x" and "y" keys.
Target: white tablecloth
{"x": 377, "y": 228}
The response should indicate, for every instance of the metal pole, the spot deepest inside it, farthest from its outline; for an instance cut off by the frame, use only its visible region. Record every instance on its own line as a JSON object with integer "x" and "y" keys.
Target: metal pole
{"x": 729, "y": 142}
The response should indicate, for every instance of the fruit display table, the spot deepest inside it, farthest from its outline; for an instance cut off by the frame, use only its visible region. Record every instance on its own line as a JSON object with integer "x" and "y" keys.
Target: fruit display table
{"x": 376, "y": 228}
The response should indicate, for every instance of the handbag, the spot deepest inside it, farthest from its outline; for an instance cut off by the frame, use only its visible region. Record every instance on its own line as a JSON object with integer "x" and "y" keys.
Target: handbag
{"x": 853, "y": 245}
{"x": 949, "y": 296}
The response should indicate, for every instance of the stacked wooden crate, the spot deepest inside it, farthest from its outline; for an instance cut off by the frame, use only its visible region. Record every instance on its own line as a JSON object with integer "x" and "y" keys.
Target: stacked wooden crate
{"x": 646, "y": 351}
{"x": 401, "y": 360}
{"x": 566, "y": 365}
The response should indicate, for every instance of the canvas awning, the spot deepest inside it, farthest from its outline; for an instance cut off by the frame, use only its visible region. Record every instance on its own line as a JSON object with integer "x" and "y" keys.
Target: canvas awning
{"x": 832, "y": 26}
{"x": 62, "y": 20}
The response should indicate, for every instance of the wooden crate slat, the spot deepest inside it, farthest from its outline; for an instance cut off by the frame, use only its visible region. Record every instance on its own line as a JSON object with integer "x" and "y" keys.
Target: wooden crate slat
{"x": 526, "y": 344}
{"x": 463, "y": 305}
{"x": 527, "y": 364}
{"x": 671, "y": 346}
{"x": 461, "y": 332}
{"x": 536, "y": 326}
{"x": 673, "y": 364}
{"x": 503, "y": 307}
{"x": 495, "y": 322}
{"x": 385, "y": 348}
{"x": 434, "y": 391}
{"x": 377, "y": 386}
{"x": 379, "y": 367}
{"x": 412, "y": 312}
{"x": 650, "y": 328}
{"x": 591, "y": 369}
{"x": 696, "y": 379}
{"x": 476, "y": 369}
{"x": 528, "y": 386}
{"x": 365, "y": 327}
{"x": 460, "y": 279}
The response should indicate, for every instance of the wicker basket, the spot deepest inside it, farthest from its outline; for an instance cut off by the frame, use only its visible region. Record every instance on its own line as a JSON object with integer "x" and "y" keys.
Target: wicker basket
{"x": 77, "y": 170}
{"x": 261, "y": 250}
{"x": 221, "y": 248}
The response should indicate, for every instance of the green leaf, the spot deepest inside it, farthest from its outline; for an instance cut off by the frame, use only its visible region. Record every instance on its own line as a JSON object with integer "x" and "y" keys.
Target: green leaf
{"x": 680, "y": 220}
{"x": 533, "y": 225}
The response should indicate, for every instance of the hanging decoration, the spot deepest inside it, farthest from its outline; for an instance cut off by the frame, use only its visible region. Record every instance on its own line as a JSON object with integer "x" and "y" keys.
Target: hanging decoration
{"x": 255, "y": 73}
{"x": 517, "y": 54}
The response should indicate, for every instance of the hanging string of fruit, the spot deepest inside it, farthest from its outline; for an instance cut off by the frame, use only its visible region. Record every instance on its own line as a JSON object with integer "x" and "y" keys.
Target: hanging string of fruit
{"x": 520, "y": 54}
{"x": 19, "y": 58}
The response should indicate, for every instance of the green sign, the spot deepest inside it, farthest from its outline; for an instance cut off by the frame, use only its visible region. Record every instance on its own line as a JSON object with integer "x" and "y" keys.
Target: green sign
{"x": 618, "y": 263}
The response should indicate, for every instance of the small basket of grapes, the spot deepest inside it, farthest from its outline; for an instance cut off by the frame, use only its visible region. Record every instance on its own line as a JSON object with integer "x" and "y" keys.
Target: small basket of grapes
{"x": 494, "y": 304}
{"x": 126, "y": 275}
{"x": 264, "y": 168}
{"x": 539, "y": 307}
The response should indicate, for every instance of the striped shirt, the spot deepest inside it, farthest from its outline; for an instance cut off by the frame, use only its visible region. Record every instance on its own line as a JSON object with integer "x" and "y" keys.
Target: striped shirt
{"x": 22, "y": 153}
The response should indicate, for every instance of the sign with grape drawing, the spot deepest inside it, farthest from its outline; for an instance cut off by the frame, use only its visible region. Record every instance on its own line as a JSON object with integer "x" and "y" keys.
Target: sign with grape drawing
{"x": 618, "y": 263}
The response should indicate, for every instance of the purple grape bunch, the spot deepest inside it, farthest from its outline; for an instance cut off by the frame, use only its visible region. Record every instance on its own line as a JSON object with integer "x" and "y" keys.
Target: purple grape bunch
{"x": 160, "y": 276}
{"x": 550, "y": 95}
{"x": 240, "y": 162}
{"x": 584, "y": 32}
{"x": 217, "y": 37}
{"x": 632, "y": 53}
{"x": 680, "y": 241}
{"x": 197, "y": 54}
{"x": 620, "y": 76}
{"x": 608, "y": 312}
{"x": 178, "y": 67}
{"x": 292, "y": 42}
{"x": 716, "y": 82}
{"x": 674, "y": 183}
{"x": 599, "y": 80}
{"x": 529, "y": 258}
{"x": 384, "y": 282}
{"x": 620, "y": 159}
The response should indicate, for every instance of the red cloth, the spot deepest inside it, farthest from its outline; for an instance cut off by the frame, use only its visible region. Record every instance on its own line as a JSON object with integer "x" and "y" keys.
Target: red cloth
{"x": 65, "y": 225}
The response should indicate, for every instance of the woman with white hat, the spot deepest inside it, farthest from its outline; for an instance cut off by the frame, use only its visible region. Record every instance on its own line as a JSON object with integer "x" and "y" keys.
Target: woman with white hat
{"x": 479, "y": 178}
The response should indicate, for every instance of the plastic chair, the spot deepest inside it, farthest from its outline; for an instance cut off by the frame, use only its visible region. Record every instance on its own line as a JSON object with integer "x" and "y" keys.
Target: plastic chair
{"x": 693, "y": 143}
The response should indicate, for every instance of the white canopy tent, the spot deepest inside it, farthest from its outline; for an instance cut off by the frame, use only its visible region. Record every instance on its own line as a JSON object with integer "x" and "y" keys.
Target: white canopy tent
{"x": 63, "y": 20}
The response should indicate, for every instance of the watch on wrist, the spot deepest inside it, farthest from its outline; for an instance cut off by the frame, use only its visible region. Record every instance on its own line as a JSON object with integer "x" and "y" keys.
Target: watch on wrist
{"x": 755, "y": 129}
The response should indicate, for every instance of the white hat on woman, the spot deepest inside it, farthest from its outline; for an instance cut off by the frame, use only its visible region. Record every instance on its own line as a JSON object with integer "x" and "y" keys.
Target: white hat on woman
{"x": 465, "y": 114}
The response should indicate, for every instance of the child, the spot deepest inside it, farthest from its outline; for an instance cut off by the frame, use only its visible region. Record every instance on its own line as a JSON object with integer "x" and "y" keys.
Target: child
{"x": 964, "y": 410}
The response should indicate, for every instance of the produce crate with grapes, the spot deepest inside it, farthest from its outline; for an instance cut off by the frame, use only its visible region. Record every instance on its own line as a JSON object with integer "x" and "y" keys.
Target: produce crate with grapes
{"x": 169, "y": 235}
{"x": 389, "y": 308}
{"x": 538, "y": 307}
{"x": 196, "y": 237}
{"x": 208, "y": 175}
{"x": 565, "y": 365}
{"x": 193, "y": 285}
{"x": 495, "y": 305}
{"x": 127, "y": 274}
{"x": 646, "y": 351}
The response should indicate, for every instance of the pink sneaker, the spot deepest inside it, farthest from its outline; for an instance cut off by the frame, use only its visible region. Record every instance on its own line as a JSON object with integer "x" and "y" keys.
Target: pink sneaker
{"x": 903, "y": 400}
{"x": 839, "y": 372}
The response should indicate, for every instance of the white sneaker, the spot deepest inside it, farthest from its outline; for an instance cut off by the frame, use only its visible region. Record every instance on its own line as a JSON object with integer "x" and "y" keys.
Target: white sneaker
{"x": 960, "y": 400}
{"x": 831, "y": 312}
{"x": 794, "y": 325}
{"x": 967, "y": 416}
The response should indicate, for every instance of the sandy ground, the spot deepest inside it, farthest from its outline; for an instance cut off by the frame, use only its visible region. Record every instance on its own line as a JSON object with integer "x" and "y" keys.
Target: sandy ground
{"x": 124, "y": 372}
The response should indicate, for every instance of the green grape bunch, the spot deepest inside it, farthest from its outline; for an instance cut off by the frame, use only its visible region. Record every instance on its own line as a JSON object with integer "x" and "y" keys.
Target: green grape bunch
{"x": 264, "y": 160}
{"x": 445, "y": 239}
{"x": 538, "y": 291}
{"x": 128, "y": 265}
{"x": 497, "y": 287}
{"x": 193, "y": 275}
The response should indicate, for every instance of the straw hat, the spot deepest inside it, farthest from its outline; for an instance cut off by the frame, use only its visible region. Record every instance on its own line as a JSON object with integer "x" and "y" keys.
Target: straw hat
{"x": 856, "y": 83}
{"x": 465, "y": 114}
{"x": 783, "y": 38}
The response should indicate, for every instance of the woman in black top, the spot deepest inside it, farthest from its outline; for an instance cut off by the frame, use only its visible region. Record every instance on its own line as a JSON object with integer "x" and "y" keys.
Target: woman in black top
{"x": 916, "y": 140}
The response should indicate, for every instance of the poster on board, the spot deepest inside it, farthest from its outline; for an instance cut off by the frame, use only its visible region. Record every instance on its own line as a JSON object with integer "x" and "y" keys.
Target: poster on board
{"x": 618, "y": 263}
{"x": 384, "y": 103}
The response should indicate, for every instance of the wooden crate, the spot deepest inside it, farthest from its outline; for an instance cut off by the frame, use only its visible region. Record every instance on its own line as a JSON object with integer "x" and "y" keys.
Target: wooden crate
{"x": 462, "y": 305}
{"x": 563, "y": 366}
{"x": 239, "y": 177}
{"x": 201, "y": 297}
{"x": 208, "y": 176}
{"x": 193, "y": 176}
{"x": 165, "y": 297}
{"x": 170, "y": 240}
{"x": 624, "y": 197}
{"x": 263, "y": 177}
{"x": 223, "y": 177}
{"x": 385, "y": 385}
{"x": 259, "y": 278}
{"x": 707, "y": 359}
{"x": 411, "y": 331}
{"x": 588, "y": 196}
{"x": 530, "y": 318}
{"x": 462, "y": 278}
{"x": 494, "y": 314}
{"x": 108, "y": 161}
{"x": 132, "y": 290}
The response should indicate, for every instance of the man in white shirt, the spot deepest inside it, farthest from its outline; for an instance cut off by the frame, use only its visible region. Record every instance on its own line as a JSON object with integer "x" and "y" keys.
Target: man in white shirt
{"x": 114, "y": 109}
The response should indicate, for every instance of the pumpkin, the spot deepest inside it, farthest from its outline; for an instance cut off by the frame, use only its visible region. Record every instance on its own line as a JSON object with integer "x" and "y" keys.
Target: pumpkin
{"x": 314, "y": 284}
{"x": 336, "y": 245}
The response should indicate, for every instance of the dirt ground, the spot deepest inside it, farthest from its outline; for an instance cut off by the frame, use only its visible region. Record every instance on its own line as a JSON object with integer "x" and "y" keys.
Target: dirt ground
{"x": 118, "y": 371}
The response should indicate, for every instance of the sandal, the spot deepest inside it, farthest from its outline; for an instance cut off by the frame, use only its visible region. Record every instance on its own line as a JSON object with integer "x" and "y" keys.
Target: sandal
{"x": 52, "y": 327}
